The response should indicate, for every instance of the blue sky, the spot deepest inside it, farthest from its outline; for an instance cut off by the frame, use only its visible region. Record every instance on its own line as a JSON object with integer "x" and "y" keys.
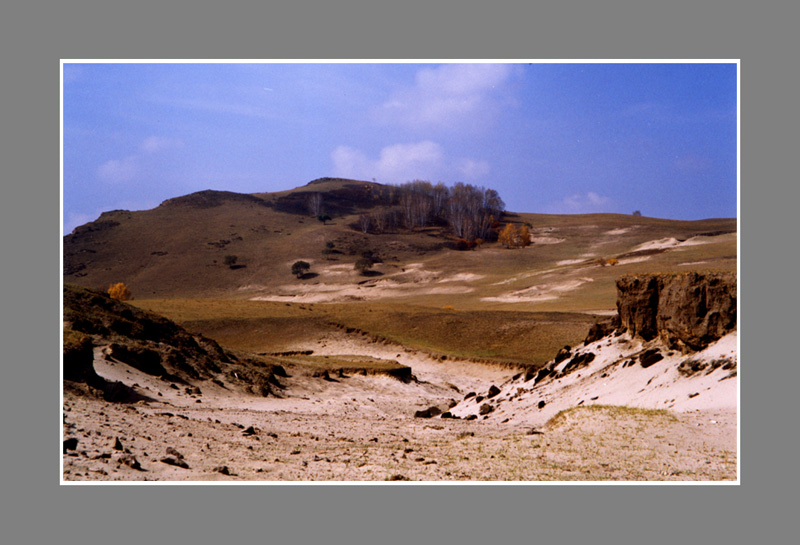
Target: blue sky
{"x": 549, "y": 137}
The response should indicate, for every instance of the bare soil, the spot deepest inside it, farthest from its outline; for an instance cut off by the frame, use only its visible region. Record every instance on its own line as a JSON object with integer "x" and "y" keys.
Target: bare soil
{"x": 363, "y": 428}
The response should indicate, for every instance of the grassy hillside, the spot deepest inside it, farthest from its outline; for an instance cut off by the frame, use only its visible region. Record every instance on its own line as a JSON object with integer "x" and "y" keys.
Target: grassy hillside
{"x": 186, "y": 248}
{"x": 220, "y": 264}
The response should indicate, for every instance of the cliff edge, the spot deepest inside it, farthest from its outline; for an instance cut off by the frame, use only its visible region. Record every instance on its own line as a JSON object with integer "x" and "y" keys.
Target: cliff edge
{"x": 688, "y": 311}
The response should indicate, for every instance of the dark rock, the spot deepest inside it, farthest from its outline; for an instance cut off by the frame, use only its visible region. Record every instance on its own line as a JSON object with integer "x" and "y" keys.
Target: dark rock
{"x": 695, "y": 394}
{"x": 118, "y": 444}
{"x": 249, "y": 431}
{"x": 471, "y": 417}
{"x": 398, "y": 477}
{"x": 430, "y": 412}
{"x": 171, "y": 451}
{"x": 130, "y": 461}
{"x": 601, "y": 329}
{"x": 222, "y": 469}
{"x": 649, "y": 357}
{"x": 581, "y": 360}
{"x": 542, "y": 374}
{"x": 686, "y": 310}
{"x": 174, "y": 461}
{"x": 70, "y": 444}
{"x": 485, "y": 409}
{"x": 563, "y": 354}
{"x": 448, "y": 414}
{"x": 493, "y": 391}
{"x": 469, "y": 395}
{"x": 478, "y": 399}
{"x": 541, "y": 404}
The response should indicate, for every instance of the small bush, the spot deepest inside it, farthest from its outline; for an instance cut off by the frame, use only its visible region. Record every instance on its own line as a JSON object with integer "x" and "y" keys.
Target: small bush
{"x": 119, "y": 291}
{"x": 363, "y": 265}
{"x": 299, "y": 268}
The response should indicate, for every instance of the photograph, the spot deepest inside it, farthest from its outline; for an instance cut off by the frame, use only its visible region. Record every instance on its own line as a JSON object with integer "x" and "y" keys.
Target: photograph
{"x": 400, "y": 272}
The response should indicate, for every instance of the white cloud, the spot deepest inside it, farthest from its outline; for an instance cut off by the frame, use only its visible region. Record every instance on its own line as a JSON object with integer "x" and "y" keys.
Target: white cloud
{"x": 117, "y": 171}
{"x": 587, "y": 203}
{"x": 401, "y": 163}
{"x": 155, "y": 144}
{"x": 472, "y": 169}
{"x": 449, "y": 96}
{"x": 396, "y": 164}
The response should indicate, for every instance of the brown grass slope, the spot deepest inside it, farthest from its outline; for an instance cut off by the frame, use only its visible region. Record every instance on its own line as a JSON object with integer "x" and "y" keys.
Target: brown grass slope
{"x": 179, "y": 248}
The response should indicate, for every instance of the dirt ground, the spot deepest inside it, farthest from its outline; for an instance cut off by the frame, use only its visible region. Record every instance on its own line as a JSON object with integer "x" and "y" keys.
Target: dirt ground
{"x": 358, "y": 428}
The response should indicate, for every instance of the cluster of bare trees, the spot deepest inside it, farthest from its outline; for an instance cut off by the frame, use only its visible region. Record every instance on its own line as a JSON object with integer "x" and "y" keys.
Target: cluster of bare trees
{"x": 471, "y": 212}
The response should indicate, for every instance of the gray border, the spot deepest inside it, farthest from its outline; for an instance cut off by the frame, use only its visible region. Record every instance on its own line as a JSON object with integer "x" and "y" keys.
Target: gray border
{"x": 34, "y": 37}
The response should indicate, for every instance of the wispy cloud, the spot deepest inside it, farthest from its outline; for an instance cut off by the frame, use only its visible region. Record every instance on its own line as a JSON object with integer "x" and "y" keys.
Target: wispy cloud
{"x": 400, "y": 163}
{"x": 119, "y": 171}
{"x": 587, "y": 203}
{"x": 155, "y": 144}
{"x": 126, "y": 169}
{"x": 452, "y": 95}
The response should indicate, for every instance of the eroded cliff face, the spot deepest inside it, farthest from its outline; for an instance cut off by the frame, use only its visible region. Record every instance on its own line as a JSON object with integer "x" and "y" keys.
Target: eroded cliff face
{"x": 687, "y": 310}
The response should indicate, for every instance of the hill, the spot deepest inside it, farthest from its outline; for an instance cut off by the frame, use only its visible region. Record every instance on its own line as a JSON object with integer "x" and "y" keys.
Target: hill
{"x": 230, "y": 245}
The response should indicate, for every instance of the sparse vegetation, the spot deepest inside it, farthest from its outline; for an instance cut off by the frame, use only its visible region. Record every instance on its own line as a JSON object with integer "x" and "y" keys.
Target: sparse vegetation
{"x": 363, "y": 265}
{"x": 515, "y": 237}
{"x": 299, "y": 268}
{"x": 120, "y": 291}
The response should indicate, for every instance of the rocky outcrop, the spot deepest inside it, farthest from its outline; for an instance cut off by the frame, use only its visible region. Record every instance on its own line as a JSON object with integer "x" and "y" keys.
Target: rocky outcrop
{"x": 686, "y": 310}
{"x": 150, "y": 343}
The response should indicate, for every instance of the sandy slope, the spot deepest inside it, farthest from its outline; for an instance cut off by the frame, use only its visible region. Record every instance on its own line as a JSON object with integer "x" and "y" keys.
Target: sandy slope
{"x": 363, "y": 428}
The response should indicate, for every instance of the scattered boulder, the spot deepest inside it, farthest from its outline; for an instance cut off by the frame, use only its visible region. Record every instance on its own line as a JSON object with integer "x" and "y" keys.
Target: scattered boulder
{"x": 486, "y": 408}
{"x": 542, "y": 374}
{"x": 649, "y": 357}
{"x": 601, "y": 329}
{"x": 130, "y": 461}
{"x": 541, "y": 404}
{"x": 493, "y": 391}
{"x": 581, "y": 360}
{"x": 173, "y": 461}
{"x": 222, "y": 469}
{"x": 430, "y": 412}
{"x": 118, "y": 444}
{"x": 563, "y": 354}
{"x": 249, "y": 431}
{"x": 70, "y": 444}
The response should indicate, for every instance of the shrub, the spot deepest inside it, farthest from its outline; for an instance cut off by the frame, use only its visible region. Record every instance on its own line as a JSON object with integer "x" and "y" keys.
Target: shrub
{"x": 299, "y": 268}
{"x": 119, "y": 291}
{"x": 363, "y": 265}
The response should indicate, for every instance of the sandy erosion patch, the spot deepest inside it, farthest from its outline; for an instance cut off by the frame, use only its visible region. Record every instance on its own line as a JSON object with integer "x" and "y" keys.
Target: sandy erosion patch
{"x": 671, "y": 242}
{"x": 412, "y": 280}
{"x": 363, "y": 428}
{"x": 542, "y": 292}
{"x": 615, "y": 375}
